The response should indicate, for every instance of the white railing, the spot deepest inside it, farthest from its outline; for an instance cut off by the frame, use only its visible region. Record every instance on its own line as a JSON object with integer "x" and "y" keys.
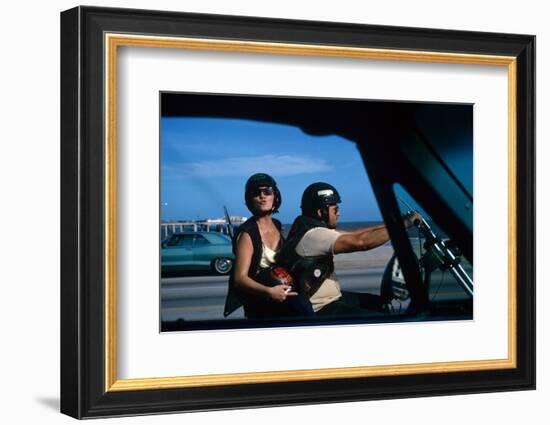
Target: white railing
{"x": 211, "y": 225}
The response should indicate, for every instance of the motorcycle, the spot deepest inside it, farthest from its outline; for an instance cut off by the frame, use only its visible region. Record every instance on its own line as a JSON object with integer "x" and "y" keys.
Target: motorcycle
{"x": 434, "y": 253}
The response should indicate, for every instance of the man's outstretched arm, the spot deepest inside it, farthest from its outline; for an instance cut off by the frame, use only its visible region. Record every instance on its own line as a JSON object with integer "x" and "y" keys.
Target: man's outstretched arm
{"x": 362, "y": 241}
{"x": 368, "y": 238}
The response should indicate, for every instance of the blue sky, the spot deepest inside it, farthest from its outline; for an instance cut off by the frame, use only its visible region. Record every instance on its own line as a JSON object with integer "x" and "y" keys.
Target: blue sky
{"x": 205, "y": 163}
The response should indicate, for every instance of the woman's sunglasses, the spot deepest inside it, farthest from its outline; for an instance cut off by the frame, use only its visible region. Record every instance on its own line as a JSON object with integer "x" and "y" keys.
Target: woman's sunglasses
{"x": 266, "y": 191}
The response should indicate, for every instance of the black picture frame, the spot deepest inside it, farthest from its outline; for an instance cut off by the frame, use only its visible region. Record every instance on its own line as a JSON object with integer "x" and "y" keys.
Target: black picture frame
{"x": 85, "y": 375}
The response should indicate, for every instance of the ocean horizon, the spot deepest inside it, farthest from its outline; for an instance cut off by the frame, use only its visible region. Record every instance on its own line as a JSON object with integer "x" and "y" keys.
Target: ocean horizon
{"x": 344, "y": 225}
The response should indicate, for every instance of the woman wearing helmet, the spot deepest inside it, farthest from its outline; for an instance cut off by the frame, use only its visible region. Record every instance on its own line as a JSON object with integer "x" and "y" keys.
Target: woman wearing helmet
{"x": 256, "y": 244}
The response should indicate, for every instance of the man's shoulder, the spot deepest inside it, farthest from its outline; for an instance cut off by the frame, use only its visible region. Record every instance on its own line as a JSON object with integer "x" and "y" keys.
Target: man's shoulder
{"x": 322, "y": 231}
{"x": 318, "y": 241}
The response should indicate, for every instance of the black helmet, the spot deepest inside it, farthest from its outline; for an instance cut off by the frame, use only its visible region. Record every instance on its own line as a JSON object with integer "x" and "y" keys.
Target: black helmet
{"x": 261, "y": 180}
{"x": 319, "y": 196}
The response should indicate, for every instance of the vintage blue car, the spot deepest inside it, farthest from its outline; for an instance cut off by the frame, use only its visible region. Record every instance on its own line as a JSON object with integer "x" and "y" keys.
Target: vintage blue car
{"x": 187, "y": 251}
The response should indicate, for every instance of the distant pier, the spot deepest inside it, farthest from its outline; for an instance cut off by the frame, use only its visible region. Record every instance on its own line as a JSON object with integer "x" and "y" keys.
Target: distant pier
{"x": 220, "y": 225}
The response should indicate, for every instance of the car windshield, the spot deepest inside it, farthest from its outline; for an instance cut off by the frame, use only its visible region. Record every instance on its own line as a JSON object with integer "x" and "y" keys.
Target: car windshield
{"x": 180, "y": 240}
{"x": 217, "y": 238}
{"x": 200, "y": 240}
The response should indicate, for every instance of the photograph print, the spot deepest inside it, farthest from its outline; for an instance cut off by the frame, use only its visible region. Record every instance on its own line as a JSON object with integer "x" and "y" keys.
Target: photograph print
{"x": 292, "y": 211}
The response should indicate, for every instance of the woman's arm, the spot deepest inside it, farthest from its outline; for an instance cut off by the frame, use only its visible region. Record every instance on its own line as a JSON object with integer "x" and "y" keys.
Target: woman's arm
{"x": 242, "y": 281}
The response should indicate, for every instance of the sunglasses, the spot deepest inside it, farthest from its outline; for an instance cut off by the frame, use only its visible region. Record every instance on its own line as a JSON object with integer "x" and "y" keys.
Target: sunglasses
{"x": 266, "y": 191}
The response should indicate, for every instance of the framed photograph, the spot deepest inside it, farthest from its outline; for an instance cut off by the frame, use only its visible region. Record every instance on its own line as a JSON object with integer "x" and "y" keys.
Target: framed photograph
{"x": 261, "y": 212}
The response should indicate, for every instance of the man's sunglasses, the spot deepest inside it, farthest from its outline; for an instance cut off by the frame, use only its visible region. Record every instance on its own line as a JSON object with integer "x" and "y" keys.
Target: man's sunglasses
{"x": 266, "y": 191}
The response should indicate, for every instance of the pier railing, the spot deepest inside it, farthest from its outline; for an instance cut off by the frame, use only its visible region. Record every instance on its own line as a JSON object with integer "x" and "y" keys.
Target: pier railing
{"x": 211, "y": 225}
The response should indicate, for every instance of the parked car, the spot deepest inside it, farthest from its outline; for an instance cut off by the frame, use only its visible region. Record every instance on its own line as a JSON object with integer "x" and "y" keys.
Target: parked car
{"x": 187, "y": 251}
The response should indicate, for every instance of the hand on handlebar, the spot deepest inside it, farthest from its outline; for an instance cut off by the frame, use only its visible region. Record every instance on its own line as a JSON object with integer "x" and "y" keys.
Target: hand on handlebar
{"x": 412, "y": 218}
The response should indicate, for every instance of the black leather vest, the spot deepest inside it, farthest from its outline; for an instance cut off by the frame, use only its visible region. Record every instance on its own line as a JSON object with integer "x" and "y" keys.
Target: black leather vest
{"x": 308, "y": 272}
{"x": 235, "y": 297}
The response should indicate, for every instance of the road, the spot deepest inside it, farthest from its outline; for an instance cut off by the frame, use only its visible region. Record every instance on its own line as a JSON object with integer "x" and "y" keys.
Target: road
{"x": 203, "y": 297}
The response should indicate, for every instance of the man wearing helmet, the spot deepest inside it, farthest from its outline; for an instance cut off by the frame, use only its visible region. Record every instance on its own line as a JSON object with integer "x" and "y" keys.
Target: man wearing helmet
{"x": 312, "y": 243}
{"x": 264, "y": 291}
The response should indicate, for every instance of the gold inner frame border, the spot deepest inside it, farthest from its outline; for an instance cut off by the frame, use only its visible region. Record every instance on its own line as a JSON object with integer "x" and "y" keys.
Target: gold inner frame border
{"x": 112, "y": 41}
